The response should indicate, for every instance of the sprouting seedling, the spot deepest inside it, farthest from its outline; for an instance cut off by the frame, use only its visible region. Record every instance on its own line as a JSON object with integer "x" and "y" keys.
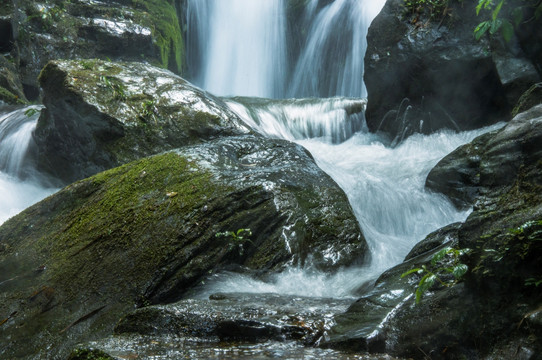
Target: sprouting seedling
{"x": 236, "y": 239}
{"x": 432, "y": 274}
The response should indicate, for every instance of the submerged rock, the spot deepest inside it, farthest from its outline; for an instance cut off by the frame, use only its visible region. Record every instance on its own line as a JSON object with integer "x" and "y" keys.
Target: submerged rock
{"x": 492, "y": 313}
{"x": 101, "y": 114}
{"x": 145, "y": 232}
{"x": 425, "y": 71}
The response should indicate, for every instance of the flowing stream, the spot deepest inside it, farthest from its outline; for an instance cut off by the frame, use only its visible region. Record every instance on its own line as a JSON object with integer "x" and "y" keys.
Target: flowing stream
{"x": 384, "y": 183}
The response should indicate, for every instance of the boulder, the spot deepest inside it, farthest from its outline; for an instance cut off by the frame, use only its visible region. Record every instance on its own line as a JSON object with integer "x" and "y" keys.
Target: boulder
{"x": 489, "y": 162}
{"x": 101, "y": 114}
{"x": 493, "y": 312}
{"x": 424, "y": 72}
{"x": 127, "y": 30}
{"x": 146, "y": 232}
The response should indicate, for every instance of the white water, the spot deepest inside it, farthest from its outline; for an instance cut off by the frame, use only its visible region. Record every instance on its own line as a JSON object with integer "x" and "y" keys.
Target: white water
{"x": 384, "y": 184}
{"x": 240, "y": 48}
{"x": 243, "y": 42}
{"x": 19, "y": 187}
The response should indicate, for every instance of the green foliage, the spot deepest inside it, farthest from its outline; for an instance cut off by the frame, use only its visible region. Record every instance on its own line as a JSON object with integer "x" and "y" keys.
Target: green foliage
{"x": 507, "y": 23}
{"x": 164, "y": 23}
{"x": 89, "y": 354}
{"x": 236, "y": 239}
{"x": 444, "y": 262}
{"x": 31, "y": 112}
{"x": 118, "y": 89}
{"x": 517, "y": 251}
{"x": 432, "y": 9}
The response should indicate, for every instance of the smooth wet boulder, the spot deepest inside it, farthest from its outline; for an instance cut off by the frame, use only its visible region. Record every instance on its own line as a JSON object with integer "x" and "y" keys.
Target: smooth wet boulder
{"x": 494, "y": 311}
{"x": 126, "y": 30}
{"x": 490, "y": 161}
{"x": 101, "y": 114}
{"x": 425, "y": 71}
{"x": 146, "y": 232}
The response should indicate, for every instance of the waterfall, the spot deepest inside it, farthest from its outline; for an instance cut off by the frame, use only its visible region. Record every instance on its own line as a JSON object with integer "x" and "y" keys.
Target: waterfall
{"x": 20, "y": 187}
{"x": 331, "y": 63}
{"x": 241, "y": 46}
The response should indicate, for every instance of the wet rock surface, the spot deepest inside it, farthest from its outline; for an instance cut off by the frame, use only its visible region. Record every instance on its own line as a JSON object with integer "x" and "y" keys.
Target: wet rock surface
{"x": 423, "y": 74}
{"x": 118, "y": 30}
{"x": 492, "y": 313}
{"x": 145, "y": 232}
{"x": 101, "y": 114}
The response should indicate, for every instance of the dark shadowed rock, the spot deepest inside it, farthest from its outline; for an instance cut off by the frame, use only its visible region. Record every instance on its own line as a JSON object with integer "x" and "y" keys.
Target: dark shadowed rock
{"x": 100, "y": 114}
{"x": 490, "y": 161}
{"x": 424, "y": 74}
{"x": 145, "y": 232}
{"x": 11, "y": 89}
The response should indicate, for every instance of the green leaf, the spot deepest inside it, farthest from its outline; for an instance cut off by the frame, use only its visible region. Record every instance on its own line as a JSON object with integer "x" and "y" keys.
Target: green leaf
{"x": 460, "y": 270}
{"x": 517, "y": 16}
{"x": 507, "y": 30}
{"x": 411, "y": 271}
{"x": 495, "y": 13}
{"x": 481, "y": 29}
{"x": 440, "y": 255}
{"x": 481, "y": 3}
{"x": 495, "y": 26}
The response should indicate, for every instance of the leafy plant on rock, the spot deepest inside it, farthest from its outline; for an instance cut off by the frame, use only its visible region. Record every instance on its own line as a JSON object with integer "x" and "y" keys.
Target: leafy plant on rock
{"x": 236, "y": 239}
{"x": 445, "y": 269}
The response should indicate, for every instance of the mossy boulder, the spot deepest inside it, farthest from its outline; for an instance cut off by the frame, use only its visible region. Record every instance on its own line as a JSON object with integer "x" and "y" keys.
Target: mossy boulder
{"x": 101, "y": 114}
{"x": 11, "y": 89}
{"x": 145, "y": 233}
{"x": 494, "y": 312}
{"x": 134, "y": 30}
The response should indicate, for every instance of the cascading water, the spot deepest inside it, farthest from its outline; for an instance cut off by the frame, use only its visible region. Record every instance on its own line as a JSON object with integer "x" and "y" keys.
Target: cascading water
{"x": 241, "y": 46}
{"x": 384, "y": 184}
{"x": 19, "y": 185}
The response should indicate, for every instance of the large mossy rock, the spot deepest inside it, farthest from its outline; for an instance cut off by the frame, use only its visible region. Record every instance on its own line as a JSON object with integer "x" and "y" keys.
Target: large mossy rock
{"x": 127, "y": 30}
{"x": 145, "y": 233}
{"x": 424, "y": 72}
{"x": 100, "y": 115}
{"x": 494, "y": 313}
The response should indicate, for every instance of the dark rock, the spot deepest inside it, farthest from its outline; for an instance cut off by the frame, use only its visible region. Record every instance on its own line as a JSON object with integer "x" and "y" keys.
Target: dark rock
{"x": 126, "y": 30}
{"x": 423, "y": 74}
{"x": 493, "y": 312}
{"x": 11, "y": 89}
{"x": 490, "y": 161}
{"x": 446, "y": 235}
{"x": 145, "y": 232}
{"x": 100, "y": 115}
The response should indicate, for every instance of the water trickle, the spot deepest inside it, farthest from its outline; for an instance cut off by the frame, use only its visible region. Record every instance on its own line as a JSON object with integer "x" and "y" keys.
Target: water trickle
{"x": 20, "y": 186}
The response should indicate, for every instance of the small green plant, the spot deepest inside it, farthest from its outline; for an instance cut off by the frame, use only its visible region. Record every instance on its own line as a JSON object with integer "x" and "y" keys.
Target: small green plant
{"x": 88, "y": 64}
{"x": 236, "y": 239}
{"x": 148, "y": 110}
{"x": 445, "y": 262}
{"x": 31, "y": 112}
{"x": 116, "y": 87}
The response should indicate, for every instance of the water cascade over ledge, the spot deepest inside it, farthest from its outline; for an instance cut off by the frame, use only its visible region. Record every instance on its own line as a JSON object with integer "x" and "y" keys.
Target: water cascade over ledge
{"x": 20, "y": 186}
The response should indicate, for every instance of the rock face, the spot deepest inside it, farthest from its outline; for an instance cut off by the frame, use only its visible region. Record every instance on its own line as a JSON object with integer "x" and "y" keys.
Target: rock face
{"x": 127, "y": 30}
{"x": 491, "y": 161}
{"x": 145, "y": 233}
{"x": 495, "y": 311}
{"x": 423, "y": 74}
{"x": 100, "y": 114}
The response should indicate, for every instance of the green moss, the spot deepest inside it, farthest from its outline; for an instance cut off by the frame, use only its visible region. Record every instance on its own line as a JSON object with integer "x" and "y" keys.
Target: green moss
{"x": 164, "y": 23}
{"x": 10, "y": 98}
